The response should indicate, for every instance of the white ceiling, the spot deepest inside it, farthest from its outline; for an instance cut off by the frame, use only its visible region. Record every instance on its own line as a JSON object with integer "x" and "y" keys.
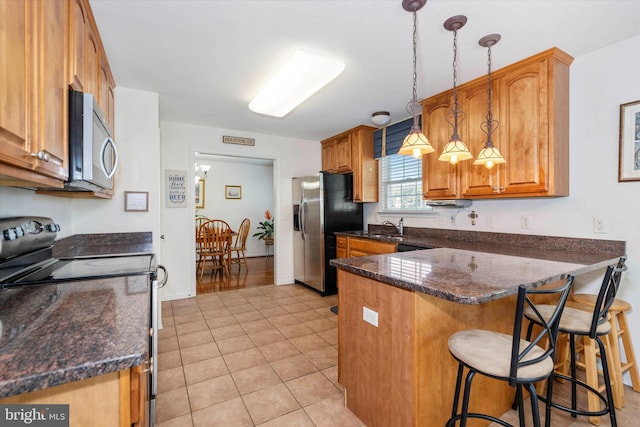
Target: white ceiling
{"x": 208, "y": 58}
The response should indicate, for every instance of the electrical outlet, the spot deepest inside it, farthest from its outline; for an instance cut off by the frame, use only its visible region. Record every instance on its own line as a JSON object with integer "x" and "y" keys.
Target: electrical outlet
{"x": 454, "y": 219}
{"x": 370, "y": 316}
{"x": 599, "y": 225}
{"x": 525, "y": 222}
{"x": 490, "y": 221}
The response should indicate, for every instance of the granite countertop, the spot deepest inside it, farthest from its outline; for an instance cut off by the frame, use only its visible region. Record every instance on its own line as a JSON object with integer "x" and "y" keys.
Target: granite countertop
{"x": 474, "y": 268}
{"x": 58, "y": 333}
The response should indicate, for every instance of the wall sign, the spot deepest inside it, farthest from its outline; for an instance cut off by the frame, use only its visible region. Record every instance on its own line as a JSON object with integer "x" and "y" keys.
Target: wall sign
{"x": 239, "y": 140}
{"x": 176, "y": 184}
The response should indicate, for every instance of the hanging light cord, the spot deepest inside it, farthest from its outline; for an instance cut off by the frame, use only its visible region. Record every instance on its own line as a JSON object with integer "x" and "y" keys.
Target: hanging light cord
{"x": 413, "y": 104}
{"x": 458, "y": 116}
{"x": 490, "y": 124}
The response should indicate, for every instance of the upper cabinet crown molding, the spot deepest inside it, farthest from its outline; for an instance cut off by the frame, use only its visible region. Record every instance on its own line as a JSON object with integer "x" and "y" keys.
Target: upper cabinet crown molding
{"x": 531, "y": 103}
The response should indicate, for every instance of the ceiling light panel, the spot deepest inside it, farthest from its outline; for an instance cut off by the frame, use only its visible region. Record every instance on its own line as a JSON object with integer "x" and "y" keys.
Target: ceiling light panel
{"x": 301, "y": 76}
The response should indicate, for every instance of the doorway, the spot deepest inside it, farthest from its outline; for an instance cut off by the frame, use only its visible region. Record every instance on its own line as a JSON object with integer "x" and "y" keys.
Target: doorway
{"x": 233, "y": 188}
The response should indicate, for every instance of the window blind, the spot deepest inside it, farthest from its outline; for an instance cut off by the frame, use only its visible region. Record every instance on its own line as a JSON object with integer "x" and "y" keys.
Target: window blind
{"x": 401, "y": 183}
{"x": 395, "y": 134}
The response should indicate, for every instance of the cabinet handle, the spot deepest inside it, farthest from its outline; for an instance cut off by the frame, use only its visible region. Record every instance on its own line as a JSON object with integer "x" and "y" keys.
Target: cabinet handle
{"x": 42, "y": 155}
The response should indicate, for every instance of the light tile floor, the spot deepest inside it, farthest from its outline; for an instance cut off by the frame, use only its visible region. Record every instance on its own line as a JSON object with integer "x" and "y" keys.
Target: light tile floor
{"x": 267, "y": 356}
{"x": 264, "y": 356}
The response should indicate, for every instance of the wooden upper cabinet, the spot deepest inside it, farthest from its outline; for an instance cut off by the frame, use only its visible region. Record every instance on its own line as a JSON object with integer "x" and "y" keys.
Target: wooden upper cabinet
{"x": 352, "y": 151}
{"x": 329, "y": 157}
{"x": 33, "y": 128}
{"x": 439, "y": 179}
{"x": 88, "y": 66}
{"x": 364, "y": 165}
{"x": 78, "y": 23}
{"x": 530, "y": 101}
{"x": 342, "y": 150}
{"x": 478, "y": 180}
{"x": 105, "y": 93}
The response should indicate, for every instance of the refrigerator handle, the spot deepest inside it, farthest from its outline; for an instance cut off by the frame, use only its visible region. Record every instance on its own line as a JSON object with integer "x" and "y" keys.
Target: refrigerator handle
{"x": 303, "y": 218}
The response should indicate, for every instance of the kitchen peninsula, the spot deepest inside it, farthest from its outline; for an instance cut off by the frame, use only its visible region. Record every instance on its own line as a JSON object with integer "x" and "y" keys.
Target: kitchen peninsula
{"x": 395, "y": 365}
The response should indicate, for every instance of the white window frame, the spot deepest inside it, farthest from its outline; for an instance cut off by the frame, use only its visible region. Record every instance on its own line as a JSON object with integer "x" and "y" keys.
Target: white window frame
{"x": 413, "y": 180}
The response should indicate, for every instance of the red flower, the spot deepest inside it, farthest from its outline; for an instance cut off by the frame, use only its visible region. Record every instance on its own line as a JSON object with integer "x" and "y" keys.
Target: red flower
{"x": 267, "y": 214}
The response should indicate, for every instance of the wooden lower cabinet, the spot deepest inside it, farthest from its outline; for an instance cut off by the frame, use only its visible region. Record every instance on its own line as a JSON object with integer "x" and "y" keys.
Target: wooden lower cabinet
{"x": 115, "y": 399}
{"x": 363, "y": 247}
{"x": 400, "y": 373}
{"x": 341, "y": 246}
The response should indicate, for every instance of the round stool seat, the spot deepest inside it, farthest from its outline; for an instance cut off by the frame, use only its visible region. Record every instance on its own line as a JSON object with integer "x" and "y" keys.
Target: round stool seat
{"x": 618, "y": 304}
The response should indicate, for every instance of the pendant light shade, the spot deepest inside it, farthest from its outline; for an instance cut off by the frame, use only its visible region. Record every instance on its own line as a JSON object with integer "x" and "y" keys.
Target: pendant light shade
{"x": 456, "y": 150}
{"x": 416, "y": 143}
{"x": 489, "y": 156}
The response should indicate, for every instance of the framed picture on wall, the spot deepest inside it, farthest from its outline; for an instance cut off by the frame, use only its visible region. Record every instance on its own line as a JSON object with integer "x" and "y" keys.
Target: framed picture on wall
{"x": 199, "y": 194}
{"x": 232, "y": 192}
{"x": 136, "y": 201}
{"x": 629, "y": 160}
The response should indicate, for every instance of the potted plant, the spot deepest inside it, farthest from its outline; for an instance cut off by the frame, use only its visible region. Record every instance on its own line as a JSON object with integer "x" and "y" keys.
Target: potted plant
{"x": 265, "y": 229}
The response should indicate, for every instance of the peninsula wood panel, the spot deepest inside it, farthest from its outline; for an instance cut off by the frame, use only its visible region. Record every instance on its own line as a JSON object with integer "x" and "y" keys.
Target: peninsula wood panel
{"x": 377, "y": 368}
{"x": 401, "y": 373}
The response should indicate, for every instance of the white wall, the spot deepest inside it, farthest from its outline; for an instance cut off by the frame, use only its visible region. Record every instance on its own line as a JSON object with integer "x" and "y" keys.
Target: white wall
{"x": 180, "y": 142}
{"x": 256, "y": 181}
{"x": 137, "y": 137}
{"x": 600, "y": 82}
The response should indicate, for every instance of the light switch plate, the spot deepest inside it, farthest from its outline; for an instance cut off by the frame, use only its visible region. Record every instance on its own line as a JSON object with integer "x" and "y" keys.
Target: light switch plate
{"x": 370, "y": 316}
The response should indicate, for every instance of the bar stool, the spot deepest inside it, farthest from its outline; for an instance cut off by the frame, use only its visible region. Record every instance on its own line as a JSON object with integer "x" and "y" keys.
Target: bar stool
{"x": 509, "y": 358}
{"x": 619, "y": 331}
{"x": 593, "y": 325}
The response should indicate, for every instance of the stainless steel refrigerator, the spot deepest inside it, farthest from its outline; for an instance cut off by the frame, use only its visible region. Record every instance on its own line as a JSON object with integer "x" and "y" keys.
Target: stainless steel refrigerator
{"x": 322, "y": 205}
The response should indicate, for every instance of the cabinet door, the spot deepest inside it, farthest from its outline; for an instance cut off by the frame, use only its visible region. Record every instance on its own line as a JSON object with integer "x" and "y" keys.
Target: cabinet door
{"x": 341, "y": 246}
{"x": 364, "y": 166}
{"x": 51, "y": 138}
{"x": 78, "y": 24}
{"x": 364, "y": 247}
{"x": 92, "y": 62}
{"x": 524, "y": 139}
{"x": 478, "y": 180}
{"x": 439, "y": 179}
{"x": 328, "y": 157}
{"x": 105, "y": 92}
{"x": 16, "y": 83}
{"x": 342, "y": 150}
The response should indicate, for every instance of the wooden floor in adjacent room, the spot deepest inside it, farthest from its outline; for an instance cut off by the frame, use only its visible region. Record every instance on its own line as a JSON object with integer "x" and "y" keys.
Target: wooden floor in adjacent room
{"x": 258, "y": 272}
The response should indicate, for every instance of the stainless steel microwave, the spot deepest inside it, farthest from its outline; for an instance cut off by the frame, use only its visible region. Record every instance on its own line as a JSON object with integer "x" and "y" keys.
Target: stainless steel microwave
{"x": 93, "y": 155}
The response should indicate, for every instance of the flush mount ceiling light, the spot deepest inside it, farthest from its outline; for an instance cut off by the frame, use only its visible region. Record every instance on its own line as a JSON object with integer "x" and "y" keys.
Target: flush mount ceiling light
{"x": 455, "y": 150}
{"x": 300, "y": 77}
{"x": 381, "y": 118}
{"x": 416, "y": 143}
{"x": 489, "y": 155}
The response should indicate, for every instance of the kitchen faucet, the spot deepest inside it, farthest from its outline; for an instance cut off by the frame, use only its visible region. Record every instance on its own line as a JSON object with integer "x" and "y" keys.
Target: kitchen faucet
{"x": 399, "y": 228}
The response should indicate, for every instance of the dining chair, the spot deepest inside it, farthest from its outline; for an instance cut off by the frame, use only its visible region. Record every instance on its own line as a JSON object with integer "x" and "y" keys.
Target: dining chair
{"x": 510, "y": 358}
{"x": 240, "y": 244}
{"x": 214, "y": 243}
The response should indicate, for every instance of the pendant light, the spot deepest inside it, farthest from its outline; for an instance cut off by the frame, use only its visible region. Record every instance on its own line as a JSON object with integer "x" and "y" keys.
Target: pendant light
{"x": 416, "y": 143}
{"x": 490, "y": 155}
{"x": 455, "y": 150}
